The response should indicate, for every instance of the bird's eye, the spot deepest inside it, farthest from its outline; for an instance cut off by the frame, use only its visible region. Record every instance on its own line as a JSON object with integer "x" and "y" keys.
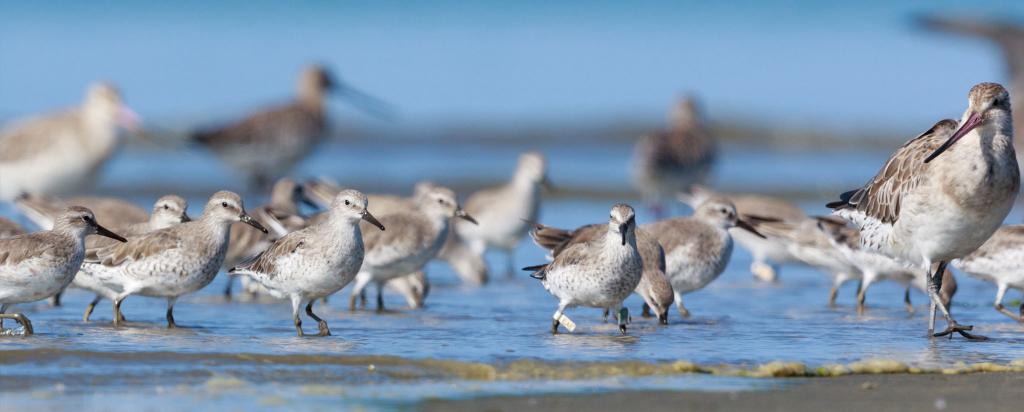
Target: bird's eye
{"x": 166, "y": 207}
{"x": 225, "y": 204}
{"x": 440, "y": 201}
{"x": 346, "y": 203}
{"x": 87, "y": 218}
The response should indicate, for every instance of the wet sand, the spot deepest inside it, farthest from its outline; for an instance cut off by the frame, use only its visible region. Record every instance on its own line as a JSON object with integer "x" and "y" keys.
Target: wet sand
{"x": 905, "y": 392}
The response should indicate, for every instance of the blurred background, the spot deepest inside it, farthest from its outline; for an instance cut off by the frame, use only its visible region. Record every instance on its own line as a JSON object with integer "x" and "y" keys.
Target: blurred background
{"x": 482, "y": 81}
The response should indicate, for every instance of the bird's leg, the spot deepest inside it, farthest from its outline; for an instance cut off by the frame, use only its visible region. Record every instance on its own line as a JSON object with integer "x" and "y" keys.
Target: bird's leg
{"x": 21, "y": 319}
{"x": 510, "y": 263}
{"x": 999, "y": 304}
{"x": 618, "y": 316}
{"x": 679, "y": 306}
{"x": 645, "y": 311}
{"x": 55, "y": 299}
{"x": 604, "y": 315}
{"x": 322, "y": 324}
{"x": 170, "y": 313}
{"x": 296, "y": 303}
{"x": 558, "y": 314}
{"x": 89, "y": 309}
{"x": 3, "y": 309}
{"x": 663, "y": 318}
{"x": 228, "y": 287}
{"x": 832, "y": 296}
{"x": 934, "y": 284}
{"x": 861, "y": 295}
{"x": 118, "y": 319}
{"x": 906, "y": 300}
{"x": 380, "y": 297}
{"x": 362, "y": 280}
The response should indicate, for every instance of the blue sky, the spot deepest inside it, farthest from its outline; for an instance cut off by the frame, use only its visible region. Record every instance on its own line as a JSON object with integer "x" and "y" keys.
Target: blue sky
{"x": 840, "y": 65}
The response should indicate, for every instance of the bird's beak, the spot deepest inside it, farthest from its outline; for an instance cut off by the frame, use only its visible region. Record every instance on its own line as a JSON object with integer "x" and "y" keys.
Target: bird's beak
{"x": 462, "y": 214}
{"x": 102, "y": 231}
{"x": 245, "y": 218}
{"x": 547, "y": 185}
{"x": 742, "y": 224}
{"x": 373, "y": 221}
{"x": 127, "y": 119}
{"x": 972, "y": 121}
{"x": 185, "y": 218}
{"x": 622, "y": 231}
{"x": 370, "y": 105}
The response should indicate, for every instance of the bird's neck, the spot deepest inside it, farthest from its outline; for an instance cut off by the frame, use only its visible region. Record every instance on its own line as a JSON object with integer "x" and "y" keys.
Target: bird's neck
{"x": 312, "y": 99}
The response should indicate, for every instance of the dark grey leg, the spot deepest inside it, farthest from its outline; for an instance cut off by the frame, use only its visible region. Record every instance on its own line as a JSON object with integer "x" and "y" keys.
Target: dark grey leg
{"x": 324, "y": 330}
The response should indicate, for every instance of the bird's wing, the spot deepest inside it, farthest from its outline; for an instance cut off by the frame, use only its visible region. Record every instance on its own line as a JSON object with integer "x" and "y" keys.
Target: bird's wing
{"x": 27, "y": 138}
{"x": 257, "y": 128}
{"x": 17, "y": 249}
{"x": 136, "y": 248}
{"x": 880, "y": 198}
{"x": 266, "y": 261}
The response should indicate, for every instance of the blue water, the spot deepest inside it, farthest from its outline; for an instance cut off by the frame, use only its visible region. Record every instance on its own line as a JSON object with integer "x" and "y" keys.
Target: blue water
{"x": 245, "y": 354}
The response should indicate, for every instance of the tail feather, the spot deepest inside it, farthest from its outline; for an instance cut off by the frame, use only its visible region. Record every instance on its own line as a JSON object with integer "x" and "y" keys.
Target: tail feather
{"x": 549, "y": 238}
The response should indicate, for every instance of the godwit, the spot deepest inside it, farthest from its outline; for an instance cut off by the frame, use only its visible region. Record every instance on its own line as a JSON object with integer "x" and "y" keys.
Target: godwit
{"x": 673, "y": 160}
{"x": 943, "y": 194}
{"x": 266, "y": 144}
{"x": 63, "y": 152}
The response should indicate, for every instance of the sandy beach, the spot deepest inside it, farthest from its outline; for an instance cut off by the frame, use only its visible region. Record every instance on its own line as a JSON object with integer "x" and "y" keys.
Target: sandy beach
{"x": 905, "y": 392}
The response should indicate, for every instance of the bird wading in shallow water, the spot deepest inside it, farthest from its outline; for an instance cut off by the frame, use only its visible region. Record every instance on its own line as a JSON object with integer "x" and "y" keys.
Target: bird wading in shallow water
{"x": 943, "y": 194}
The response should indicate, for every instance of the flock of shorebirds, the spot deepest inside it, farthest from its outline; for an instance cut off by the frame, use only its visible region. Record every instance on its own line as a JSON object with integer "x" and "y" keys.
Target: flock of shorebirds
{"x": 939, "y": 200}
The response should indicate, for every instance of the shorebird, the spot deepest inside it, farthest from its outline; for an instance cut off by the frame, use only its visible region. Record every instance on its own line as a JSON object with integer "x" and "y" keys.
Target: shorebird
{"x": 698, "y": 247}
{"x": 874, "y": 266}
{"x": 281, "y": 216}
{"x": 654, "y": 287}
{"x": 768, "y": 253}
{"x": 505, "y": 212}
{"x": 671, "y": 161}
{"x": 37, "y": 265}
{"x": 43, "y": 210}
{"x": 943, "y": 194}
{"x": 416, "y": 237}
{"x": 8, "y": 228}
{"x": 415, "y": 286}
{"x": 600, "y": 273}
{"x": 316, "y": 261}
{"x": 168, "y": 210}
{"x": 266, "y": 144}
{"x": 1009, "y": 37}
{"x": 63, "y": 152}
{"x": 173, "y": 261}
{"x": 809, "y": 243}
{"x": 999, "y": 261}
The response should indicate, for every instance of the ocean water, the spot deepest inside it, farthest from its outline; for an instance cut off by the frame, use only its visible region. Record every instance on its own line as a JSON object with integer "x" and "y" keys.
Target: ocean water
{"x": 472, "y": 341}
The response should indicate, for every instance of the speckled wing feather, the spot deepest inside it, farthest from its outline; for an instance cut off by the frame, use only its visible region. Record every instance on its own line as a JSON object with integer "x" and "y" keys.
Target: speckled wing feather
{"x": 9, "y": 229}
{"x": 136, "y": 248}
{"x": 261, "y": 127}
{"x": 406, "y": 239}
{"x": 15, "y": 250}
{"x": 880, "y": 198}
{"x": 266, "y": 261}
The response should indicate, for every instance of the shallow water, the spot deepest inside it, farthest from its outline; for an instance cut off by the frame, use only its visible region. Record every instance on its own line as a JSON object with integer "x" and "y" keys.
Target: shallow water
{"x": 471, "y": 341}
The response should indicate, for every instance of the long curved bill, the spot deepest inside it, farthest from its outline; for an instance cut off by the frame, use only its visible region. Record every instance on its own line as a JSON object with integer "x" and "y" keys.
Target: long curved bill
{"x": 365, "y": 102}
{"x": 465, "y": 216}
{"x": 972, "y": 121}
{"x": 373, "y": 221}
{"x": 102, "y": 231}
{"x": 742, "y": 224}
{"x": 245, "y": 218}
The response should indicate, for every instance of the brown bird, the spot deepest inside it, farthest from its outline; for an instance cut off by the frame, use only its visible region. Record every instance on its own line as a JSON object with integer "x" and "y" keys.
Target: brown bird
{"x": 673, "y": 160}
{"x": 266, "y": 144}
